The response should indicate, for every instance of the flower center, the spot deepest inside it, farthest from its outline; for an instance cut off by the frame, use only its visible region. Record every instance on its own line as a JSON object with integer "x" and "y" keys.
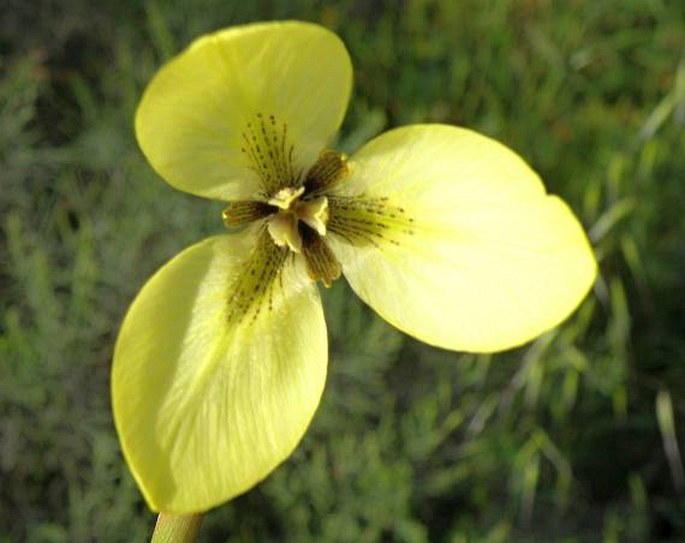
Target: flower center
{"x": 296, "y": 215}
{"x": 284, "y": 226}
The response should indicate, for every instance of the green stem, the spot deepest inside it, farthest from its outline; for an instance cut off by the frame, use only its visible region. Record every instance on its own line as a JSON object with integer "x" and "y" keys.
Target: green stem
{"x": 176, "y": 528}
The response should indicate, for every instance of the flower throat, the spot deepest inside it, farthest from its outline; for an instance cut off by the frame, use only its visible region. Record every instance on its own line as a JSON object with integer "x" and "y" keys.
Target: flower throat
{"x": 295, "y": 207}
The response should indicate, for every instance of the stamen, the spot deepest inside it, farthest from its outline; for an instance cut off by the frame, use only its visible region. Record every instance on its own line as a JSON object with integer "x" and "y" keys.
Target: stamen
{"x": 283, "y": 230}
{"x": 314, "y": 213}
{"x": 285, "y": 198}
{"x": 284, "y": 225}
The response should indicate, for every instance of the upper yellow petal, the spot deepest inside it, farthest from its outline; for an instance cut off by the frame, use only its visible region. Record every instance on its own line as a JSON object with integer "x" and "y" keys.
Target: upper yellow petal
{"x": 244, "y": 103}
{"x": 451, "y": 237}
{"x": 218, "y": 370}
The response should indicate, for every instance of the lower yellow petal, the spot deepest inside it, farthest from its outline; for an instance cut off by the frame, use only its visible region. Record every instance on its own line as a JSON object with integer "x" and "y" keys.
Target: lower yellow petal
{"x": 218, "y": 370}
{"x": 451, "y": 237}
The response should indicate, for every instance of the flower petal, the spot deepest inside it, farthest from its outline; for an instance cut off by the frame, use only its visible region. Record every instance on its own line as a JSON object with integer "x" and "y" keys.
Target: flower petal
{"x": 245, "y": 103}
{"x": 213, "y": 385}
{"x": 450, "y": 236}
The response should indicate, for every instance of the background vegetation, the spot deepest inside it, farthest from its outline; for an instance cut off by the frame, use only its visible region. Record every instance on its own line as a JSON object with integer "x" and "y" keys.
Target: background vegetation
{"x": 573, "y": 438}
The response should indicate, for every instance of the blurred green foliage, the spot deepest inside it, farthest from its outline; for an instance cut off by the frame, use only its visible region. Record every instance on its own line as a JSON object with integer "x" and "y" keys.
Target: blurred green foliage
{"x": 571, "y": 439}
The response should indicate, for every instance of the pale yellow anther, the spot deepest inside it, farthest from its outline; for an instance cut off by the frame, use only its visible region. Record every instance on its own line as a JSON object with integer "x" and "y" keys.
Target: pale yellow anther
{"x": 314, "y": 214}
{"x": 284, "y": 198}
{"x": 283, "y": 230}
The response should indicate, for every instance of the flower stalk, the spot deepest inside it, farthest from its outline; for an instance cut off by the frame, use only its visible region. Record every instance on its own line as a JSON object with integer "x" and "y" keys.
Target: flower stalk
{"x": 177, "y": 528}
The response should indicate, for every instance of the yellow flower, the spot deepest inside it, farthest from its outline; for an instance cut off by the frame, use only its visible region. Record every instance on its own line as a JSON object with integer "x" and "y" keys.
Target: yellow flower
{"x": 447, "y": 234}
